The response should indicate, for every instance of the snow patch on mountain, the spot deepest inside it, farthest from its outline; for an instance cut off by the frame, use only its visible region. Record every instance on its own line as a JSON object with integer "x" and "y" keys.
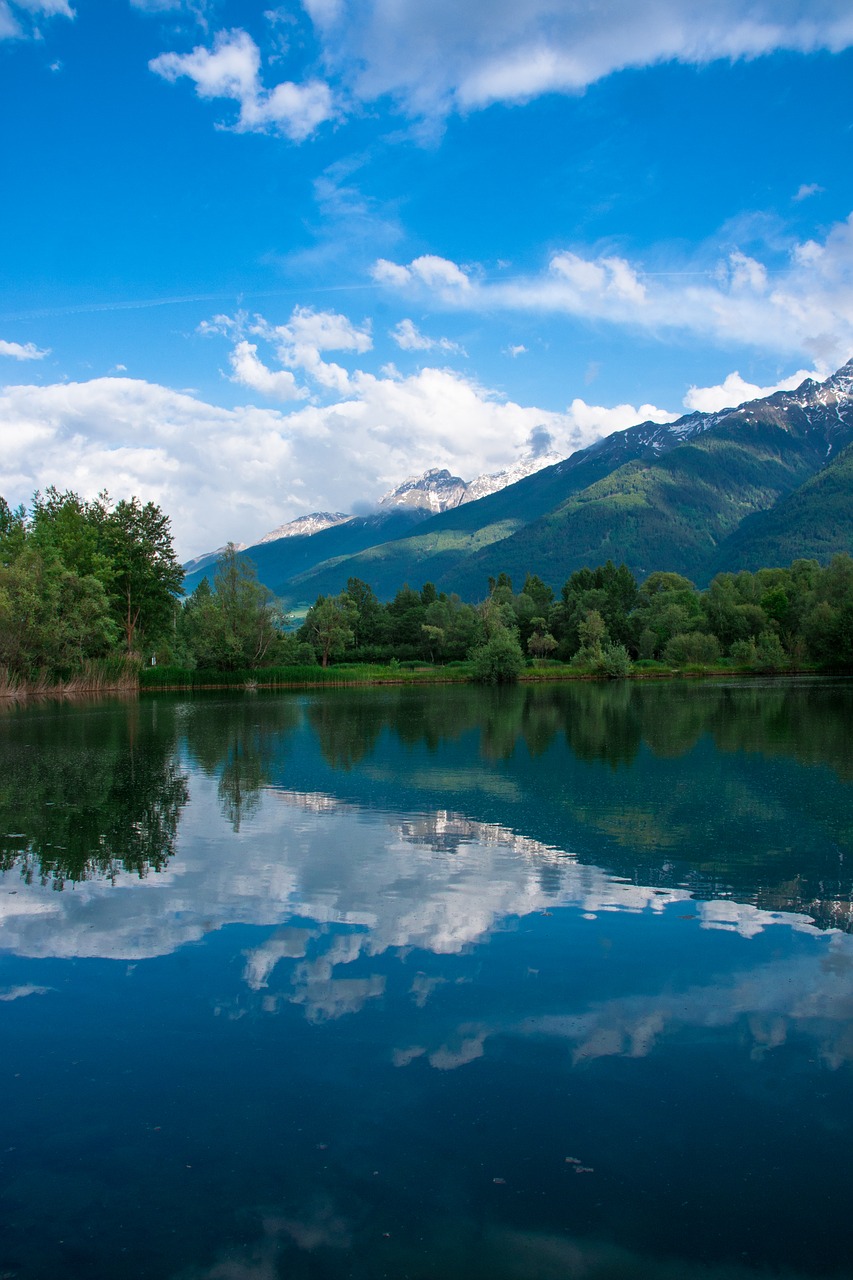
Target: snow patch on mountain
{"x": 304, "y": 526}
{"x": 497, "y": 480}
{"x": 436, "y": 490}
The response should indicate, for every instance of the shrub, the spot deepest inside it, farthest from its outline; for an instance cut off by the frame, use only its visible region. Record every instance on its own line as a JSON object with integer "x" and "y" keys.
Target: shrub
{"x": 770, "y": 656}
{"x": 499, "y": 660}
{"x": 615, "y": 662}
{"x": 692, "y": 647}
{"x": 743, "y": 652}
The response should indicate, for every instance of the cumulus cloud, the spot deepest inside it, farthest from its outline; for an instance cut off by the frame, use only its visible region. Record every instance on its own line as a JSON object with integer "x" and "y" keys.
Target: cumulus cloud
{"x": 439, "y": 274}
{"x": 801, "y": 303}
{"x": 252, "y": 372}
{"x": 734, "y": 390}
{"x": 22, "y": 350}
{"x": 408, "y": 337}
{"x": 236, "y": 472}
{"x": 442, "y": 57}
{"x": 232, "y": 69}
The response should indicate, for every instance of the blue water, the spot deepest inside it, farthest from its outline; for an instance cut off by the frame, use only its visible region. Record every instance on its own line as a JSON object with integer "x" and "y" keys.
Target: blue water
{"x": 427, "y": 983}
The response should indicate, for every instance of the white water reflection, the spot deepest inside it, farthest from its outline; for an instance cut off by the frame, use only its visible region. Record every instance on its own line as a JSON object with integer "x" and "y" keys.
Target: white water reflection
{"x": 438, "y": 882}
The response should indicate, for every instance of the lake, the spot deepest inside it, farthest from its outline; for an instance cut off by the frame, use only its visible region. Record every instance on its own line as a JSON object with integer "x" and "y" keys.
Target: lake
{"x": 445, "y": 982}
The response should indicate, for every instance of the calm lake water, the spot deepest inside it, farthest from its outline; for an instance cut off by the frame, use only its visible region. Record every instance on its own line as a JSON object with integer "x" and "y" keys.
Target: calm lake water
{"x": 404, "y": 983}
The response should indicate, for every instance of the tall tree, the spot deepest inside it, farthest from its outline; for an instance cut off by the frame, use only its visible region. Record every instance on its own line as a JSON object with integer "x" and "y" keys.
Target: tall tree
{"x": 147, "y": 578}
{"x": 238, "y": 623}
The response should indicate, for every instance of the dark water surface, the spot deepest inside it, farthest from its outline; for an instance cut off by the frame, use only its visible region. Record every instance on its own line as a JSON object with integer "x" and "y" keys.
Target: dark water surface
{"x": 534, "y": 983}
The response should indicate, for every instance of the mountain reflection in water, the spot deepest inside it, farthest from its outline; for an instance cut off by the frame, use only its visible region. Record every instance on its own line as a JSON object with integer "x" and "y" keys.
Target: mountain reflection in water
{"x": 694, "y": 793}
{"x": 540, "y": 982}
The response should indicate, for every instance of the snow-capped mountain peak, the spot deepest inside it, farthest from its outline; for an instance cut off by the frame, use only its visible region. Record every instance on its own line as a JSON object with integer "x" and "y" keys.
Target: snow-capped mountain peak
{"x": 436, "y": 490}
{"x": 303, "y": 526}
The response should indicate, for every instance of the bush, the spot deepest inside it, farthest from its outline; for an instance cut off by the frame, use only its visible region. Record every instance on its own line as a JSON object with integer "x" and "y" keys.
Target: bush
{"x": 769, "y": 655}
{"x": 693, "y": 647}
{"x": 743, "y": 652}
{"x": 615, "y": 662}
{"x": 499, "y": 660}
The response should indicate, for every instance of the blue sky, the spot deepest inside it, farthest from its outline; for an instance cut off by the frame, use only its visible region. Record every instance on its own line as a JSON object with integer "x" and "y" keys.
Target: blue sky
{"x": 259, "y": 262}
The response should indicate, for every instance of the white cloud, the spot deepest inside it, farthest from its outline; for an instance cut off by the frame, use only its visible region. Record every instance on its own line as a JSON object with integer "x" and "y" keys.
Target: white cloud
{"x": 390, "y": 273}
{"x": 236, "y": 472}
{"x": 20, "y": 993}
{"x": 46, "y": 8}
{"x": 734, "y": 390}
{"x": 808, "y": 189}
{"x": 232, "y": 70}
{"x": 11, "y": 12}
{"x": 408, "y": 337}
{"x": 439, "y": 274}
{"x": 443, "y": 56}
{"x": 801, "y": 303}
{"x": 249, "y": 371}
{"x": 22, "y": 350}
{"x": 518, "y": 350}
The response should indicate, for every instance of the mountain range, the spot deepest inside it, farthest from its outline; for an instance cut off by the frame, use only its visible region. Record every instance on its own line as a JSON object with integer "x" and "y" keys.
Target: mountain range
{"x": 759, "y": 484}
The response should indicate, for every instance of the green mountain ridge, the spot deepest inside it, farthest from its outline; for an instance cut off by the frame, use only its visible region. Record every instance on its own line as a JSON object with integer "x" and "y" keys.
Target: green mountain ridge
{"x": 757, "y": 485}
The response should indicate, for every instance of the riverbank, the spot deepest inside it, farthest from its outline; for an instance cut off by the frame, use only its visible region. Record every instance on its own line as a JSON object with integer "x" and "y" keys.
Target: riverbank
{"x": 344, "y": 675}
{"x": 355, "y": 675}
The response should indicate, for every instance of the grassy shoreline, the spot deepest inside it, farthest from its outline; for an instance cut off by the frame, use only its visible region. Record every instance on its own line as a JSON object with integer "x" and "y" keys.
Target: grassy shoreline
{"x": 354, "y": 675}
{"x": 344, "y": 676}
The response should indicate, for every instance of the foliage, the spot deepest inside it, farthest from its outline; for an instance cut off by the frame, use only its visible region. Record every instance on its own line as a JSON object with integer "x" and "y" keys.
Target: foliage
{"x": 237, "y": 623}
{"x": 80, "y": 582}
{"x": 499, "y": 659}
{"x": 146, "y": 578}
{"x": 328, "y": 626}
{"x": 690, "y": 647}
{"x": 616, "y": 662}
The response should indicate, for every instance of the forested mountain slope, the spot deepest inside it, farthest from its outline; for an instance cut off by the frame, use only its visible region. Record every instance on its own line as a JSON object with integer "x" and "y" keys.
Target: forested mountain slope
{"x": 675, "y": 512}
{"x": 279, "y": 561}
{"x": 749, "y": 486}
{"x": 657, "y": 497}
{"x": 815, "y": 522}
{"x": 441, "y": 547}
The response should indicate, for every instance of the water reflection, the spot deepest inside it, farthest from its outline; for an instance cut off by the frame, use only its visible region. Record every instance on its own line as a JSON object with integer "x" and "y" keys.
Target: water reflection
{"x": 88, "y": 791}
{"x": 724, "y": 790}
{"x": 543, "y": 983}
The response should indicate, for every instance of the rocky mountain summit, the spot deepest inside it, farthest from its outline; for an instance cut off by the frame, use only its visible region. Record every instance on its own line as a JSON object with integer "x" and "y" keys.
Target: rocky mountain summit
{"x": 436, "y": 490}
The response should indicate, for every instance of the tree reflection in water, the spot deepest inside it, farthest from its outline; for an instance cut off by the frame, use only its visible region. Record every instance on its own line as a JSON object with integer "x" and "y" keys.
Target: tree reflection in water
{"x": 88, "y": 789}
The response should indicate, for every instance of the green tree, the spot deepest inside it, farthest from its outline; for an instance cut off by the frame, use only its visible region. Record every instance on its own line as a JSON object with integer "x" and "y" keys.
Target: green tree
{"x": 328, "y": 626}
{"x": 236, "y": 624}
{"x": 367, "y": 620}
{"x": 499, "y": 660}
{"x": 146, "y": 576}
{"x": 540, "y": 642}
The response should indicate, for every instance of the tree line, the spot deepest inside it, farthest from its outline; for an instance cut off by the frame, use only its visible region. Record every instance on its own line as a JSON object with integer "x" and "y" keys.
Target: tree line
{"x": 83, "y": 582}
{"x": 603, "y": 620}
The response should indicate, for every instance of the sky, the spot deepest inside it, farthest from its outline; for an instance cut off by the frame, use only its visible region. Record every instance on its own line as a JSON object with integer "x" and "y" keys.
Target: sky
{"x": 259, "y": 262}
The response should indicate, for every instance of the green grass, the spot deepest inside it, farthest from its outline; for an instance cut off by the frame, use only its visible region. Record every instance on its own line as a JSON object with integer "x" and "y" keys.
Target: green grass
{"x": 411, "y": 672}
{"x": 283, "y": 677}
